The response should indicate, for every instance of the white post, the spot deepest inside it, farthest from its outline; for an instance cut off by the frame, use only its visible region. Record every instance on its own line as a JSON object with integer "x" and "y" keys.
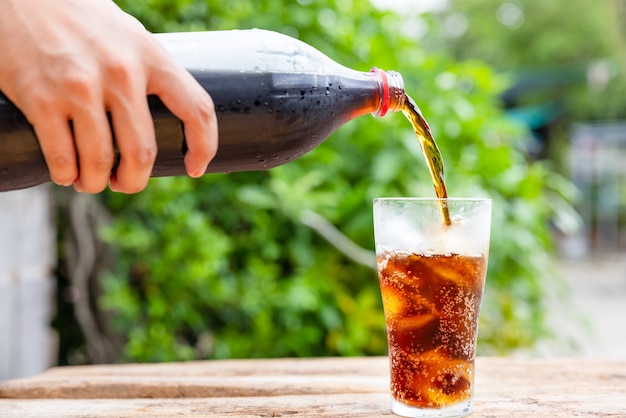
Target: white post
{"x": 27, "y": 257}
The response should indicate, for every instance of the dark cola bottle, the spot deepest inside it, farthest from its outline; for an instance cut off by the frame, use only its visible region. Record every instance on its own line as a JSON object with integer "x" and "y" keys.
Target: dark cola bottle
{"x": 276, "y": 98}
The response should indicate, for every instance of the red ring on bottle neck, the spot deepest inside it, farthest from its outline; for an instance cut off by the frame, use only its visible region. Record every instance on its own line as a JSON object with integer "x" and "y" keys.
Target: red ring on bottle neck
{"x": 384, "y": 106}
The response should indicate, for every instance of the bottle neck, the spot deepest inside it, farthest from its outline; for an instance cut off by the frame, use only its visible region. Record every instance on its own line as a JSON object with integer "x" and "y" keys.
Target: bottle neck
{"x": 392, "y": 94}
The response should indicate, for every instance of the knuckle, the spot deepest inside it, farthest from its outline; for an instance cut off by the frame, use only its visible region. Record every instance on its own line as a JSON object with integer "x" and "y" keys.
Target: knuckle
{"x": 59, "y": 161}
{"x": 119, "y": 70}
{"x": 142, "y": 156}
{"x": 205, "y": 117}
{"x": 62, "y": 169}
{"x": 39, "y": 102}
{"x": 101, "y": 162}
{"x": 205, "y": 110}
{"x": 205, "y": 153}
{"x": 79, "y": 83}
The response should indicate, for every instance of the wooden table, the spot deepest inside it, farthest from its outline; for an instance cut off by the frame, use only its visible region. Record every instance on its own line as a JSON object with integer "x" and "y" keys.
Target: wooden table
{"x": 323, "y": 387}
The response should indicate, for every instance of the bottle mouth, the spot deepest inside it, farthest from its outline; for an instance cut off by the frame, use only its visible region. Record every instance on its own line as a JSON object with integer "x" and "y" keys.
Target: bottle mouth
{"x": 392, "y": 91}
{"x": 397, "y": 95}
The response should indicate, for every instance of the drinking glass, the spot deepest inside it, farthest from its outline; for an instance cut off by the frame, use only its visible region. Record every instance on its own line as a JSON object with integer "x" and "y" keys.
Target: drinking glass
{"x": 432, "y": 277}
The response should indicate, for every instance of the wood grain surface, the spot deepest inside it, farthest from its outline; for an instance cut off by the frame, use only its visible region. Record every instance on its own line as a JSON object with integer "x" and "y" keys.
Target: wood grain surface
{"x": 321, "y": 387}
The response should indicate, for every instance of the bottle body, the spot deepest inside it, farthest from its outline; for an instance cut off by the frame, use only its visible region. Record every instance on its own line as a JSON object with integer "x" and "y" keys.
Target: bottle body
{"x": 275, "y": 97}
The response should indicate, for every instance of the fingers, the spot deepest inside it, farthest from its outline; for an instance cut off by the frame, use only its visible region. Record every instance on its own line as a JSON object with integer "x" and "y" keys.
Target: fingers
{"x": 57, "y": 145}
{"x": 190, "y": 103}
{"x": 73, "y": 86}
{"x": 134, "y": 133}
{"x": 94, "y": 146}
{"x": 201, "y": 133}
{"x": 67, "y": 67}
{"x": 84, "y": 154}
{"x": 77, "y": 141}
{"x": 73, "y": 134}
{"x": 78, "y": 148}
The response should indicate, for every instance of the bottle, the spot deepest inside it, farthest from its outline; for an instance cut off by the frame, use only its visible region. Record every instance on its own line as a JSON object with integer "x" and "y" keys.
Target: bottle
{"x": 275, "y": 97}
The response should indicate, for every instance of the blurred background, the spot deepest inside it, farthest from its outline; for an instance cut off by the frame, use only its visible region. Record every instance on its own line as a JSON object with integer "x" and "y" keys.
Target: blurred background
{"x": 526, "y": 99}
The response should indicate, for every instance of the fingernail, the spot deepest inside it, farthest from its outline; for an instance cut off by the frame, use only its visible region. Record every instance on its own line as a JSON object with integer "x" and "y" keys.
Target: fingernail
{"x": 78, "y": 187}
{"x": 113, "y": 185}
{"x": 63, "y": 184}
{"x": 199, "y": 173}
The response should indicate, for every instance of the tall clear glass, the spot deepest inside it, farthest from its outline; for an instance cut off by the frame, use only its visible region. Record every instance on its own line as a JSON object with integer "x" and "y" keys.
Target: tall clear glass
{"x": 432, "y": 277}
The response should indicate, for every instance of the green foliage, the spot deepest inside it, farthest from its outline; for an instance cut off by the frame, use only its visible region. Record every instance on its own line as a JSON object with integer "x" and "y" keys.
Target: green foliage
{"x": 574, "y": 51}
{"x": 218, "y": 267}
{"x": 224, "y": 266}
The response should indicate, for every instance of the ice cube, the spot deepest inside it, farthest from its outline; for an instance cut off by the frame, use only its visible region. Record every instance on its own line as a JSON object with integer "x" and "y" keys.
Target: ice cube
{"x": 448, "y": 381}
{"x": 463, "y": 236}
{"x": 415, "y": 334}
{"x": 393, "y": 302}
{"x": 398, "y": 234}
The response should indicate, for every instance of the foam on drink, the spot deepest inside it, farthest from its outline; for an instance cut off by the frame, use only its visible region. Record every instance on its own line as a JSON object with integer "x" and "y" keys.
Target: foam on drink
{"x": 400, "y": 233}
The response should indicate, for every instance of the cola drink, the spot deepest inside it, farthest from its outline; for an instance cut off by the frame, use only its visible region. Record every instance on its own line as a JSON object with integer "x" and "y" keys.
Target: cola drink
{"x": 431, "y": 305}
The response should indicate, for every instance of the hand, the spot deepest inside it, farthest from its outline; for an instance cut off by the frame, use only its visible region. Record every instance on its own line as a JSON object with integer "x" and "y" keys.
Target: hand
{"x": 66, "y": 63}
